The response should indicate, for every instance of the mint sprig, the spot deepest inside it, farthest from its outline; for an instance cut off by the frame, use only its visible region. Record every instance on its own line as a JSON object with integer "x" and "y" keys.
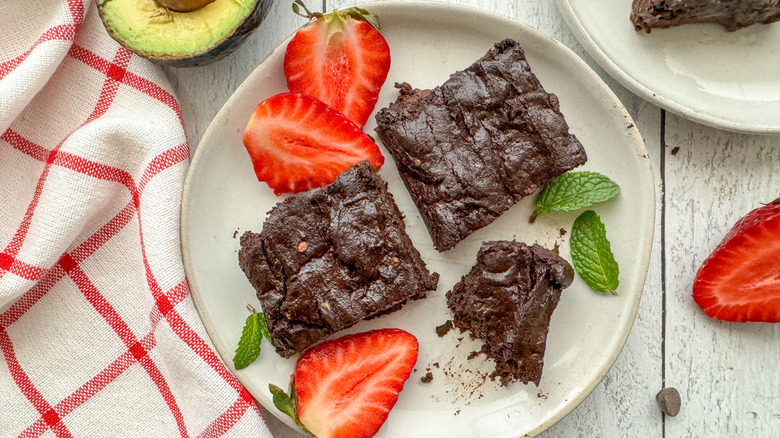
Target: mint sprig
{"x": 252, "y": 335}
{"x": 592, "y": 255}
{"x": 574, "y": 190}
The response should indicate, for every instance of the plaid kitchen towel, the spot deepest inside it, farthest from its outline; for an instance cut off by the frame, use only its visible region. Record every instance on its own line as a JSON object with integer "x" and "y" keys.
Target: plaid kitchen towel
{"x": 98, "y": 333}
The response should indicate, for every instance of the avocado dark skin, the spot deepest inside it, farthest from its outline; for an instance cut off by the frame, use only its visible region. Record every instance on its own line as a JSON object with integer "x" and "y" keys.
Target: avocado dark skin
{"x": 218, "y": 51}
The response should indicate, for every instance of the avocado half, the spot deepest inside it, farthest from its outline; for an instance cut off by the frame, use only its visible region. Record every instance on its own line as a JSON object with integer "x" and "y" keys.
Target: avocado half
{"x": 181, "y": 39}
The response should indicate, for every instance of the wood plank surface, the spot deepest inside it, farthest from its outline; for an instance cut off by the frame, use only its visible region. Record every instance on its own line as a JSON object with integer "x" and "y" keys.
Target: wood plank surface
{"x": 726, "y": 373}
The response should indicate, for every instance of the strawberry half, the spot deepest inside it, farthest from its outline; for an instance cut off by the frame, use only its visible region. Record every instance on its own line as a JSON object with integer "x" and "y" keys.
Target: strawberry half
{"x": 740, "y": 281}
{"x": 346, "y": 387}
{"x": 298, "y": 143}
{"x": 341, "y": 59}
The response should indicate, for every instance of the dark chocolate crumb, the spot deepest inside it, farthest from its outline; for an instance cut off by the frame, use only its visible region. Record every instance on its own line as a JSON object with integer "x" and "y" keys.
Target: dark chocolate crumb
{"x": 562, "y": 231}
{"x": 235, "y": 233}
{"x": 436, "y": 364}
{"x": 669, "y": 401}
{"x": 631, "y": 125}
{"x": 675, "y": 150}
{"x": 444, "y": 328}
{"x": 426, "y": 378}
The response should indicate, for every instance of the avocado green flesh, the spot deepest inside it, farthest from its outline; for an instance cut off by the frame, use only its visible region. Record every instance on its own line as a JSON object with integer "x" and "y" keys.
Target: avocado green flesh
{"x": 147, "y": 28}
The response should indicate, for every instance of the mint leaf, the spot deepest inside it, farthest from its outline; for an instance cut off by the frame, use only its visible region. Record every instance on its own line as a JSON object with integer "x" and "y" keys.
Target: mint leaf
{"x": 263, "y": 325}
{"x": 574, "y": 190}
{"x": 286, "y": 403}
{"x": 592, "y": 255}
{"x": 251, "y": 337}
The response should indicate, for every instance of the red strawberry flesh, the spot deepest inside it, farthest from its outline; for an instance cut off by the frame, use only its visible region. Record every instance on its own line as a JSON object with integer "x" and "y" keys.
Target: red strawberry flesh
{"x": 298, "y": 143}
{"x": 347, "y": 387}
{"x": 340, "y": 60}
{"x": 740, "y": 281}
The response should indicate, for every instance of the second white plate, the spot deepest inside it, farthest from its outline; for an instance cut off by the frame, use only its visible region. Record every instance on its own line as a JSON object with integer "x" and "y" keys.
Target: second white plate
{"x": 222, "y": 199}
{"x": 728, "y": 80}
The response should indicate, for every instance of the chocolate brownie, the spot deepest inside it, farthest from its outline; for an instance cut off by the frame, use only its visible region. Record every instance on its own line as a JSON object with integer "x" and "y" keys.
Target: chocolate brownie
{"x": 507, "y": 300}
{"x": 731, "y": 14}
{"x": 474, "y": 146}
{"x": 330, "y": 257}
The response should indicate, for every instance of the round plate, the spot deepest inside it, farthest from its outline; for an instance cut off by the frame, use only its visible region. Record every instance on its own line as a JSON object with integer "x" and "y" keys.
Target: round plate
{"x": 728, "y": 80}
{"x": 222, "y": 199}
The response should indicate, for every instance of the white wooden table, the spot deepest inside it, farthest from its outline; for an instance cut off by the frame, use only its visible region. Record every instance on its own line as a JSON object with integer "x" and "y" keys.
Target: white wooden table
{"x": 706, "y": 179}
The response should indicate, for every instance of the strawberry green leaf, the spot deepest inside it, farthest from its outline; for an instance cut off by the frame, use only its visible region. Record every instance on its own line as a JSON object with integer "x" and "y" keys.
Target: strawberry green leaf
{"x": 361, "y": 14}
{"x": 251, "y": 336}
{"x": 286, "y": 402}
{"x": 574, "y": 190}
{"x": 592, "y": 255}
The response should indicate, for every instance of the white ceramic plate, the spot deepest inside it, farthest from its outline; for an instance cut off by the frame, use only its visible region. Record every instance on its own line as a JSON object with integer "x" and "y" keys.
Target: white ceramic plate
{"x": 222, "y": 199}
{"x": 728, "y": 80}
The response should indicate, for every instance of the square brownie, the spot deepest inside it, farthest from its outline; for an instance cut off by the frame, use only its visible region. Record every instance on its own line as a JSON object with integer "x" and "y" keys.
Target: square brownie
{"x": 330, "y": 257}
{"x": 474, "y": 146}
{"x": 507, "y": 300}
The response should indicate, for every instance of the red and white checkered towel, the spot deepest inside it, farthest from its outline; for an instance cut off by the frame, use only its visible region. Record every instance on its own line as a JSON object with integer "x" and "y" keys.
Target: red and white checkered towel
{"x": 98, "y": 333}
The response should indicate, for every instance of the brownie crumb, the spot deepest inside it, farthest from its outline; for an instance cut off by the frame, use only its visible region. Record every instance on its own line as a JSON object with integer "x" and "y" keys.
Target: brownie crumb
{"x": 675, "y": 150}
{"x": 404, "y": 88}
{"x": 630, "y": 125}
{"x": 436, "y": 364}
{"x": 427, "y": 377}
{"x": 562, "y": 231}
{"x": 474, "y": 354}
{"x": 235, "y": 233}
{"x": 444, "y": 328}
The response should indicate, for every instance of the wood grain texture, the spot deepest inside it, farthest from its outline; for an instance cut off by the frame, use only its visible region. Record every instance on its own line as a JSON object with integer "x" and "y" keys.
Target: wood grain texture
{"x": 726, "y": 372}
{"x": 623, "y": 404}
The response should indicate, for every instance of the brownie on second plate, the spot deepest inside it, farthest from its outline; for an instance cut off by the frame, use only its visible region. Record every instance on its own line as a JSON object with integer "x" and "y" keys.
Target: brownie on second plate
{"x": 330, "y": 257}
{"x": 507, "y": 300}
{"x": 474, "y": 146}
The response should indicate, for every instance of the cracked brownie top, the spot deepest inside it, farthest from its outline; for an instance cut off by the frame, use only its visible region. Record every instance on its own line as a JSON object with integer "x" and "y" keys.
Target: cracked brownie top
{"x": 330, "y": 257}
{"x": 474, "y": 146}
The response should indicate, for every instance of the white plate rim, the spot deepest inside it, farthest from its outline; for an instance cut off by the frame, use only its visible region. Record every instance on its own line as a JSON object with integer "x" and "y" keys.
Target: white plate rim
{"x": 613, "y": 69}
{"x": 632, "y": 133}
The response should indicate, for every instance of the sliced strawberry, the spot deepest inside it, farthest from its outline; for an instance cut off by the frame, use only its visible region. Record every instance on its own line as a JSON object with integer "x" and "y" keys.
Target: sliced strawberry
{"x": 341, "y": 59}
{"x": 298, "y": 143}
{"x": 740, "y": 281}
{"x": 346, "y": 387}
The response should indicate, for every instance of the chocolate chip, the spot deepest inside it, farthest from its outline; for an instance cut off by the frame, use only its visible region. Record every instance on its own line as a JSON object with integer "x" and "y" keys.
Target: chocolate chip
{"x": 426, "y": 378}
{"x": 669, "y": 401}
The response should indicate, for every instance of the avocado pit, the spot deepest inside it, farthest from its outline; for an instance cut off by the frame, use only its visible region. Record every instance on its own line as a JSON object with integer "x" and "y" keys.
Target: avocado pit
{"x": 184, "y": 5}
